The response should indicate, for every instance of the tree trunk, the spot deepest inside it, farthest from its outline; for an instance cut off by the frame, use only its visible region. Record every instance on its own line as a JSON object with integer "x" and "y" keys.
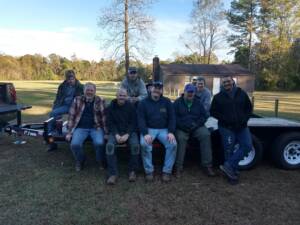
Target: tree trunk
{"x": 126, "y": 36}
{"x": 250, "y": 35}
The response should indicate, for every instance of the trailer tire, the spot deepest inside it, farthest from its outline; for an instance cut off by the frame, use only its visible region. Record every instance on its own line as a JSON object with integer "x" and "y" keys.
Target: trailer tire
{"x": 253, "y": 157}
{"x": 286, "y": 151}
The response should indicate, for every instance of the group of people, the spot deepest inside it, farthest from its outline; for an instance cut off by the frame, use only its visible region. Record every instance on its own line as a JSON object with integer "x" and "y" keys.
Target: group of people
{"x": 140, "y": 115}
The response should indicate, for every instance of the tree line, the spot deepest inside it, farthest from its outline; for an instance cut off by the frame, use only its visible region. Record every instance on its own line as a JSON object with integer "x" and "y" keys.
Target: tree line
{"x": 52, "y": 67}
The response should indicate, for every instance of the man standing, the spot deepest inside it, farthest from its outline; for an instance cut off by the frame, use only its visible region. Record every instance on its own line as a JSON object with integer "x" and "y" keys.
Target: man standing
{"x": 203, "y": 94}
{"x": 122, "y": 127}
{"x": 134, "y": 85}
{"x": 190, "y": 120}
{"x": 156, "y": 120}
{"x": 66, "y": 92}
{"x": 232, "y": 107}
{"x": 86, "y": 118}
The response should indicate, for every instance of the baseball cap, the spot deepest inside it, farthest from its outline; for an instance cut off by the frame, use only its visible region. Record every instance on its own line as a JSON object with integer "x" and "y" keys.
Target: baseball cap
{"x": 189, "y": 88}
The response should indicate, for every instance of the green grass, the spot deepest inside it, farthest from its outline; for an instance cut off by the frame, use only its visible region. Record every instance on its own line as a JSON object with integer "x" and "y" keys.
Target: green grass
{"x": 289, "y": 104}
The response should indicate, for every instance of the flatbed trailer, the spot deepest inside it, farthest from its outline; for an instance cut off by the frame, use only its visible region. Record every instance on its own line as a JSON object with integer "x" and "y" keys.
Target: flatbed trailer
{"x": 275, "y": 138}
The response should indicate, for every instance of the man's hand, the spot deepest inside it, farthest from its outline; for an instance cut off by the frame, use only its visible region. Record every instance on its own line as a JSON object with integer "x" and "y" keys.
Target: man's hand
{"x": 68, "y": 137}
{"x": 118, "y": 138}
{"x": 124, "y": 138}
{"x": 148, "y": 139}
{"x": 171, "y": 138}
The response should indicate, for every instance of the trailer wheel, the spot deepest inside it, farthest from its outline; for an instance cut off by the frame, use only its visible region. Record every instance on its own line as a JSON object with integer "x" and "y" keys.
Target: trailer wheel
{"x": 253, "y": 157}
{"x": 286, "y": 151}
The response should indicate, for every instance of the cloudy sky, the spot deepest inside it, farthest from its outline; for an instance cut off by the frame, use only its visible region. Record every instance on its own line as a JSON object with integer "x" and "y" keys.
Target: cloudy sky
{"x": 70, "y": 27}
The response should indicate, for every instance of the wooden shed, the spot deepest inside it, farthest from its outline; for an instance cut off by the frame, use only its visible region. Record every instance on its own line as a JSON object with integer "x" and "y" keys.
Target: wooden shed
{"x": 175, "y": 76}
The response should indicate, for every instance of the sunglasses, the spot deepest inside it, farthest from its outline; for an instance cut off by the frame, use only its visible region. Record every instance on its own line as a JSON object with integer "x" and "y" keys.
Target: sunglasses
{"x": 132, "y": 72}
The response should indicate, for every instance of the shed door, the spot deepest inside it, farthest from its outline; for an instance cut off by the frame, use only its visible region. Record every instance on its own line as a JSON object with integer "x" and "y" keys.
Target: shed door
{"x": 216, "y": 85}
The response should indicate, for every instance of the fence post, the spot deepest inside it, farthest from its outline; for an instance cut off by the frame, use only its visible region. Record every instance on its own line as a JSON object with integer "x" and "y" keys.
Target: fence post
{"x": 276, "y": 107}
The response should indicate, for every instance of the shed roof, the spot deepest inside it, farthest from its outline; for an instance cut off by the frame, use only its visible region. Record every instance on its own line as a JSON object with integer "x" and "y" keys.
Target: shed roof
{"x": 204, "y": 69}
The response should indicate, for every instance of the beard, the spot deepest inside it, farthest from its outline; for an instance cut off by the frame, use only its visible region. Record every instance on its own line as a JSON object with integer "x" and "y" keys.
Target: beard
{"x": 89, "y": 98}
{"x": 156, "y": 97}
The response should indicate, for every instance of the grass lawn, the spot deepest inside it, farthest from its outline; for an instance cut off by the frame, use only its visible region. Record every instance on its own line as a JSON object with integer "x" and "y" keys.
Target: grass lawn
{"x": 43, "y": 188}
{"x": 289, "y": 104}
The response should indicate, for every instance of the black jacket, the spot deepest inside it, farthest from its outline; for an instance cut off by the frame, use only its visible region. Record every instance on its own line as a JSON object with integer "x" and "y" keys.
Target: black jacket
{"x": 189, "y": 120}
{"x": 121, "y": 119}
{"x": 156, "y": 114}
{"x": 231, "y": 112}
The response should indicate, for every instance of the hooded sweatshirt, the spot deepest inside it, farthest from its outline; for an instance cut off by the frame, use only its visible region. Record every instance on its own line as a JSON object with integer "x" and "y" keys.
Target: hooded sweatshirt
{"x": 232, "y": 109}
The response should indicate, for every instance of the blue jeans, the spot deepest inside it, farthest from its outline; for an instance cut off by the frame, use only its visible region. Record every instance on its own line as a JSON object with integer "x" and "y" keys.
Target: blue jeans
{"x": 171, "y": 149}
{"x": 78, "y": 139}
{"x": 111, "y": 156}
{"x": 229, "y": 140}
{"x": 56, "y": 113}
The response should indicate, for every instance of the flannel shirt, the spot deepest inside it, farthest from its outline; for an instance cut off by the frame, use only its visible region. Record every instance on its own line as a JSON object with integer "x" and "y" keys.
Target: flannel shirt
{"x": 77, "y": 109}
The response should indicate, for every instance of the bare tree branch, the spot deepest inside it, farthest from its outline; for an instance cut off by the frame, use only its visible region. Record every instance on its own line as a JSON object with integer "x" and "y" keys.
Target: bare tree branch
{"x": 126, "y": 28}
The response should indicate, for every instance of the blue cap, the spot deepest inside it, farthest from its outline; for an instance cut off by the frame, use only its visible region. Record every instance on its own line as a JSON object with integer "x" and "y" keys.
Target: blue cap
{"x": 189, "y": 88}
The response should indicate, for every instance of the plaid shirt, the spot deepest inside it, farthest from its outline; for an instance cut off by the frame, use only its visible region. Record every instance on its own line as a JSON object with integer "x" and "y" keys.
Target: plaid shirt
{"x": 77, "y": 109}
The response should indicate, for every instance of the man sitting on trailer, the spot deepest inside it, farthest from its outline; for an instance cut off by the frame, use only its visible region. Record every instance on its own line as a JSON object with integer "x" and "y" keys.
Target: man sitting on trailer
{"x": 122, "y": 128}
{"x": 232, "y": 107}
{"x": 190, "y": 122}
{"x": 156, "y": 120}
{"x": 86, "y": 118}
{"x": 66, "y": 93}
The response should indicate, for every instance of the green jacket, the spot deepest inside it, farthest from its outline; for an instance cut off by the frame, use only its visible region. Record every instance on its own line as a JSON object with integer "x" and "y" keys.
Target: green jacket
{"x": 61, "y": 94}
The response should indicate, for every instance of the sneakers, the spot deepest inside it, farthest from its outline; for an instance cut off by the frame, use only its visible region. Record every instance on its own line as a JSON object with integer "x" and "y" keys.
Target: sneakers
{"x": 149, "y": 177}
{"x": 132, "y": 176}
{"x": 52, "y": 147}
{"x": 166, "y": 177}
{"x": 209, "y": 171}
{"x": 112, "y": 180}
{"x": 228, "y": 172}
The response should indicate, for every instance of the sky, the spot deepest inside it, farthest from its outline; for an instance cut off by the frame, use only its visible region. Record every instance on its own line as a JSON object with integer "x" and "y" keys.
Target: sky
{"x": 68, "y": 27}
